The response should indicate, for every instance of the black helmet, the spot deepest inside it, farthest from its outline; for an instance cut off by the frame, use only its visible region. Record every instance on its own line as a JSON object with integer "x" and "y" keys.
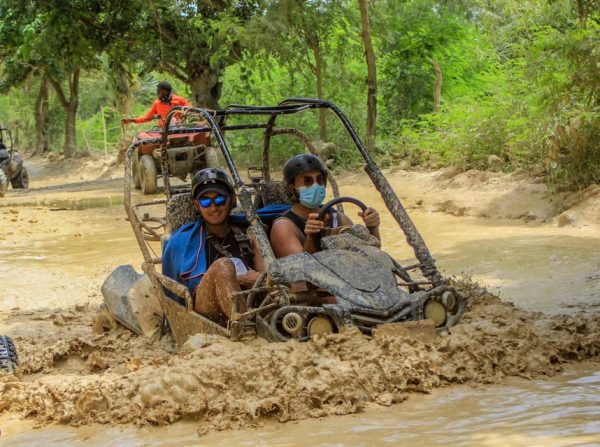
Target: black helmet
{"x": 211, "y": 179}
{"x": 302, "y": 163}
{"x": 164, "y": 85}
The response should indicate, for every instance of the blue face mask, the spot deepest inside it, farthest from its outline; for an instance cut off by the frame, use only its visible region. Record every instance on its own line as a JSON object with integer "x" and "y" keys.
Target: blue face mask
{"x": 312, "y": 196}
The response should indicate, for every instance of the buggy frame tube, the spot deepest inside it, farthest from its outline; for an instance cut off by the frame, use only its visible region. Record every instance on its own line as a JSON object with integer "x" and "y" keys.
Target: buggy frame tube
{"x": 294, "y": 105}
{"x": 391, "y": 200}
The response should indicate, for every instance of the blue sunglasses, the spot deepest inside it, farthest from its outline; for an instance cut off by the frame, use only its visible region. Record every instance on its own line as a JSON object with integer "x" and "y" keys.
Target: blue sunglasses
{"x": 218, "y": 200}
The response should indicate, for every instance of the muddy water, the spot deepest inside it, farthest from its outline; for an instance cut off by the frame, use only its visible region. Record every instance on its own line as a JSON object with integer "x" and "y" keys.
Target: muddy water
{"x": 539, "y": 267}
{"x": 563, "y": 411}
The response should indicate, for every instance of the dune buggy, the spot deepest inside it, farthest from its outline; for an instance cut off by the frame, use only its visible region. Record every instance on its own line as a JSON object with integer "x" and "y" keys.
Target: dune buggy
{"x": 188, "y": 151}
{"x": 12, "y": 169}
{"x": 371, "y": 288}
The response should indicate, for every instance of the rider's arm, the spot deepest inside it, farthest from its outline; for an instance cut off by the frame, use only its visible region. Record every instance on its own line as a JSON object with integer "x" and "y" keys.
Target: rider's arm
{"x": 371, "y": 219}
{"x": 285, "y": 238}
{"x": 149, "y": 116}
{"x": 258, "y": 261}
{"x": 258, "y": 265}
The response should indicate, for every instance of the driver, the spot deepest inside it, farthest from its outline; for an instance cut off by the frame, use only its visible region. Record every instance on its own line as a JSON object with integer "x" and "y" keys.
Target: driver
{"x": 210, "y": 256}
{"x": 297, "y": 230}
{"x": 161, "y": 106}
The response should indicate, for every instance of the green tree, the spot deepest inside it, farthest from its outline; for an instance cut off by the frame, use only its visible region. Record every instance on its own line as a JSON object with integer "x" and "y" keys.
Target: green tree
{"x": 194, "y": 41}
{"x": 298, "y": 33}
{"x": 56, "y": 40}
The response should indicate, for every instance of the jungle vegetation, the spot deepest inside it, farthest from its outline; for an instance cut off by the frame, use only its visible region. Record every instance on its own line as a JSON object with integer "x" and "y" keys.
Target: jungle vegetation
{"x": 426, "y": 82}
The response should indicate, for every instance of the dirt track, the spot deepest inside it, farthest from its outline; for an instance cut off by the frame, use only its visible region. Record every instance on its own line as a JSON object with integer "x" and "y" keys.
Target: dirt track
{"x": 61, "y": 242}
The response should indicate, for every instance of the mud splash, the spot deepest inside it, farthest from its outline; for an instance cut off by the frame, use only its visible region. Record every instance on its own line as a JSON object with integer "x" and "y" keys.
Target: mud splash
{"x": 100, "y": 374}
{"x": 77, "y": 369}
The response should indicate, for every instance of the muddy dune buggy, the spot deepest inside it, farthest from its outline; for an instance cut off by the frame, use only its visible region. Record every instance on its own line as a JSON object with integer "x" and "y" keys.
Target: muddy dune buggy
{"x": 371, "y": 288}
{"x": 188, "y": 150}
{"x": 11, "y": 165}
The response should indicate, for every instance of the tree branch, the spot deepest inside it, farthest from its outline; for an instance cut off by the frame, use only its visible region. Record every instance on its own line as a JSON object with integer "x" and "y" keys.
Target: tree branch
{"x": 176, "y": 71}
{"x": 59, "y": 92}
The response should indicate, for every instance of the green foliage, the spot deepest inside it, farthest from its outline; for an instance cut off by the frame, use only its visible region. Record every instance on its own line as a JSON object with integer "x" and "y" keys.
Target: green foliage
{"x": 521, "y": 78}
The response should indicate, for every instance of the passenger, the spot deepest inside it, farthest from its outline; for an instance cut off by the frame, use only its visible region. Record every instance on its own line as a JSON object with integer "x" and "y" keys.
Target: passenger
{"x": 210, "y": 256}
{"x": 297, "y": 230}
{"x": 161, "y": 106}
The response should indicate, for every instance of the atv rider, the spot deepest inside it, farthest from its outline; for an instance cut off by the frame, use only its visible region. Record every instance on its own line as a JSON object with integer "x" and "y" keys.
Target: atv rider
{"x": 211, "y": 256}
{"x": 161, "y": 106}
{"x": 297, "y": 230}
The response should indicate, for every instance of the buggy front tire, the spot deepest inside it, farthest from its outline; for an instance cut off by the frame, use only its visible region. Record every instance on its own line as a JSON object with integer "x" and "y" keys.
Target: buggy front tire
{"x": 21, "y": 180}
{"x": 148, "y": 174}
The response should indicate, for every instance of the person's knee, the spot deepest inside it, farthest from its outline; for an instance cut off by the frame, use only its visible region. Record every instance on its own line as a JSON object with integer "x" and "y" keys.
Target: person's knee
{"x": 223, "y": 266}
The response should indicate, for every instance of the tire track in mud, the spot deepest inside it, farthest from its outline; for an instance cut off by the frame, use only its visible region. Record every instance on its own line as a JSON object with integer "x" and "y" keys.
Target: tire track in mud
{"x": 87, "y": 370}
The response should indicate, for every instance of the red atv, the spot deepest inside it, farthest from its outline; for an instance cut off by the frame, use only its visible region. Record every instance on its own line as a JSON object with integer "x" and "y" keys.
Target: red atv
{"x": 188, "y": 151}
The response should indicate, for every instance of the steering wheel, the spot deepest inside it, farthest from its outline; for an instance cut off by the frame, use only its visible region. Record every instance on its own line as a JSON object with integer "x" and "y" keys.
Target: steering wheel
{"x": 337, "y": 200}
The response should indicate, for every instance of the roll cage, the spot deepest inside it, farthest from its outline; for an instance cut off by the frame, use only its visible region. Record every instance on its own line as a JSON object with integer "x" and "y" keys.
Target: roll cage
{"x": 147, "y": 228}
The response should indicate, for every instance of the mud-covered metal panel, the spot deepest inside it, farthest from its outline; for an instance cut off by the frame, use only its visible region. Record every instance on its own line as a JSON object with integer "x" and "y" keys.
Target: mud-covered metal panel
{"x": 383, "y": 296}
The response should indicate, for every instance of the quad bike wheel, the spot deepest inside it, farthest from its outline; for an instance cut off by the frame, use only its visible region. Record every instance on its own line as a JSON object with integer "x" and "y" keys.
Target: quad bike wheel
{"x": 148, "y": 174}
{"x": 135, "y": 170}
{"x": 9, "y": 361}
{"x": 21, "y": 180}
{"x": 3, "y": 183}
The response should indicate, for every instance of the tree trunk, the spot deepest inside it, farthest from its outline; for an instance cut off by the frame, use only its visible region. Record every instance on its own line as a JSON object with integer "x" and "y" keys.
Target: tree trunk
{"x": 371, "y": 74}
{"x": 120, "y": 82}
{"x": 315, "y": 46}
{"x": 206, "y": 86}
{"x": 437, "y": 86}
{"x": 70, "y": 107}
{"x": 42, "y": 138}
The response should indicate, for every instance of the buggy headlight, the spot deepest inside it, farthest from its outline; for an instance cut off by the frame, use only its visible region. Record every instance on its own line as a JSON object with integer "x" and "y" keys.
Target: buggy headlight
{"x": 434, "y": 310}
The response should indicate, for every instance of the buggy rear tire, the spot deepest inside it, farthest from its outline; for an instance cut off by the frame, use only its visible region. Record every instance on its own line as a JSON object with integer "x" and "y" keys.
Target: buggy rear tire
{"x": 148, "y": 174}
{"x": 135, "y": 171}
{"x": 9, "y": 361}
{"x": 21, "y": 180}
{"x": 3, "y": 183}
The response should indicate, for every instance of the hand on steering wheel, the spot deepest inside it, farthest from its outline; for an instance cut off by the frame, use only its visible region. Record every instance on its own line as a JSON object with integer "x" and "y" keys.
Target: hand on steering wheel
{"x": 369, "y": 215}
{"x": 314, "y": 224}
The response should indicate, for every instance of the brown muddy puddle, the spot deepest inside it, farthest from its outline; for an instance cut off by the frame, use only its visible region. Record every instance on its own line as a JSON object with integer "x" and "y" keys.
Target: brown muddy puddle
{"x": 538, "y": 267}
{"x": 563, "y": 411}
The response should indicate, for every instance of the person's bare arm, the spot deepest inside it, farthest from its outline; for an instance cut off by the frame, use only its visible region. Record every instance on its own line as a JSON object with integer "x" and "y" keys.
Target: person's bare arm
{"x": 371, "y": 220}
{"x": 258, "y": 265}
{"x": 312, "y": 229}
{"x": 285, "y": 238}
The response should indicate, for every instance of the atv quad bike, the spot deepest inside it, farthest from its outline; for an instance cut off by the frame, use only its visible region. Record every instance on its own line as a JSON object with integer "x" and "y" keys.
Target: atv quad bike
{"x": 370, "y": 287}
{"x": 188, "y": 151}
{"x": 11, "y": 165}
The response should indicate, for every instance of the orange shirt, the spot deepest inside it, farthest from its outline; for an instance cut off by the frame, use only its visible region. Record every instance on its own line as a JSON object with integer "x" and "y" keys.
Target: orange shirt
{"x": 162, "y": 109}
